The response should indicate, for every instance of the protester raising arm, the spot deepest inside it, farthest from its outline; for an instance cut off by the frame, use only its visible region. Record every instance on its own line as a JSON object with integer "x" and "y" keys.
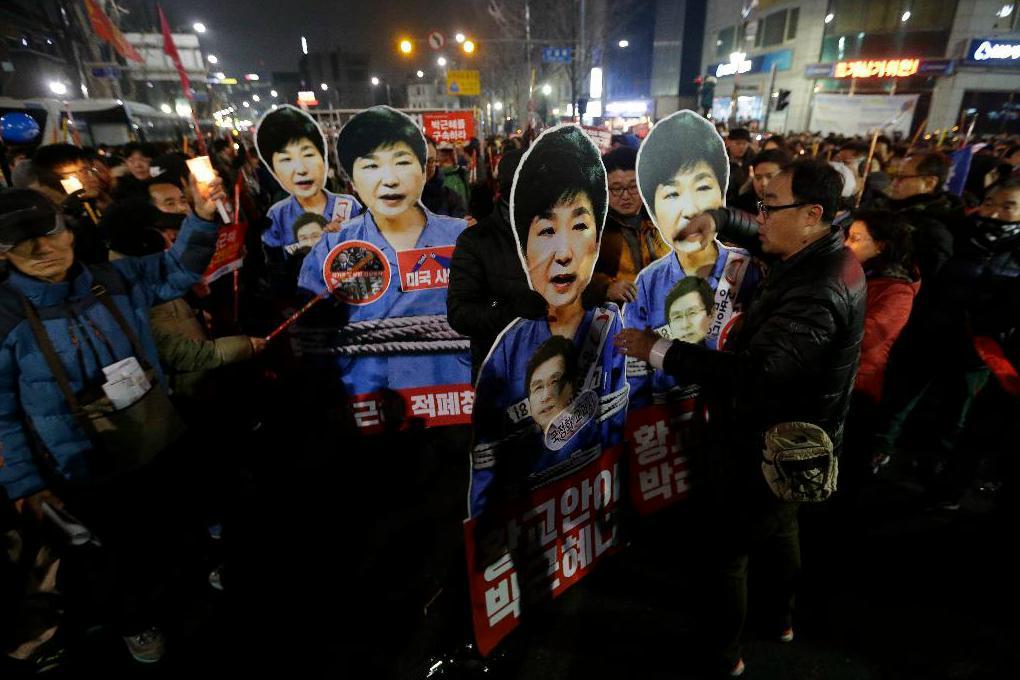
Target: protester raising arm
{"x": 732, "y": 225}
{"x": 168, "y": 275}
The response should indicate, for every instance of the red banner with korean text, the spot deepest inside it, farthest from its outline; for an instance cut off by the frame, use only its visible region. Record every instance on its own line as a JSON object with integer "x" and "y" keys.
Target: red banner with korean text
{"x": 229, "y": 254}
{"x": 436, "y": 405}
{"x": 424, "y": 268}
{"x": 539, "y": 545}
{"x": 659, "y": 438}
{"x": 449, "y": 126}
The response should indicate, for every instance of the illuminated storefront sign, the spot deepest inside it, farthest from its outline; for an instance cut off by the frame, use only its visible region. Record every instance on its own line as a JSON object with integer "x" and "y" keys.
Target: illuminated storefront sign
{"x": 994, "y": 52}
{"x": 881, "y": 68}
{"x": 729, "y": 69}
{"x": 763, "y": 63}
{"x": 877, "y": 68}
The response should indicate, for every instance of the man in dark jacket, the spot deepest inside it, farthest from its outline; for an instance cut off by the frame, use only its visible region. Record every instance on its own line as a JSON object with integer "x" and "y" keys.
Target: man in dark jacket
{"x": 740, "y": 151}
{"x": 437, "y": 197}
{"x": 916, "y": 193}
{"x": 488, "y": 286}
{"x": 793, "y": 359}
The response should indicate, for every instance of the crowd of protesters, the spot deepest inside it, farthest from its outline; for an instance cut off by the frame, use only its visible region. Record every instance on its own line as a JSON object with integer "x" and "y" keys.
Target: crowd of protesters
{"x": 115, "y": 267}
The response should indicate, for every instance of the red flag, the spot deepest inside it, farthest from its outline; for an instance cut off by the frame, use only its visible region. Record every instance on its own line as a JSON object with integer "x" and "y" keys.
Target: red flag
{"x": 105, "y": 30}
{"x": 171, "y": 50}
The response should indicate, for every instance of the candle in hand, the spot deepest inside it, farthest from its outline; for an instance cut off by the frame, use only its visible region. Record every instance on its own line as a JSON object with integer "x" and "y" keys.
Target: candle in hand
{"x": 71, "y": 185}
{"x": 202, "y": 169}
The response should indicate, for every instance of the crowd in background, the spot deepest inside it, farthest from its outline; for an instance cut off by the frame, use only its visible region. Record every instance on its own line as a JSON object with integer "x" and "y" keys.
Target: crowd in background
{"x": 935, "y": 398}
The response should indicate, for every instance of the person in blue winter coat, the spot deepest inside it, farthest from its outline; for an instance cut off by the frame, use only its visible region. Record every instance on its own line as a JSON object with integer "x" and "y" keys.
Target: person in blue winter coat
{"x": 47, "y": 461}
{"x": 543, "y": 412}
{"x": 391, "y": 266}
{"x": 292, "y": 145}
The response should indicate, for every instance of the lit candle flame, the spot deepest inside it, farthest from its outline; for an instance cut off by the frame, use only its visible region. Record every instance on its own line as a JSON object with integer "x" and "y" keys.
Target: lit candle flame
{"x": 71, "y": 185}
{"x": 202, "y": 169}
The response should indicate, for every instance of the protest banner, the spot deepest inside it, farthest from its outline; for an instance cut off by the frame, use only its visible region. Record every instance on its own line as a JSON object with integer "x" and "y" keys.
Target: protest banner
{"x": 535, "y": 548}
{"x": 229, "y": 254}
{"x": 551, "y": 396}
{"x": 449, "y": 126}
{"x": 695, "y": 293}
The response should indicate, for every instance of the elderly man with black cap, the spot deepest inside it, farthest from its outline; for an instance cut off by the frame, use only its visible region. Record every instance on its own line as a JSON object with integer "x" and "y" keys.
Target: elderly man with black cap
{"x": 488, "y": 287}
{"x": 77, "y": 366}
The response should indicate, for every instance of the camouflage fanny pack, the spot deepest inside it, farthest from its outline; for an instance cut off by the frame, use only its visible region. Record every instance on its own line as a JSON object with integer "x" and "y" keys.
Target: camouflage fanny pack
{"x": 798, "y": 463}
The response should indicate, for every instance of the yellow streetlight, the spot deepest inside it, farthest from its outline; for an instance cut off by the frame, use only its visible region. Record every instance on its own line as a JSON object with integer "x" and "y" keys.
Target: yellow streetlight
{"x": 468, "y": 46}
{"x": 406, "y": 46}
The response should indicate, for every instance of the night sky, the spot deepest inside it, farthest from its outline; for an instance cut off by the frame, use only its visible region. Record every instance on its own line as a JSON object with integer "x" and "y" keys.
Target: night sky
{"x": 265, "y": 35}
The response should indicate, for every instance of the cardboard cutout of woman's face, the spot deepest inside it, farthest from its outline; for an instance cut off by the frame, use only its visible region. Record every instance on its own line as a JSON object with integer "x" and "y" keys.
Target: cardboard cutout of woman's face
{"x": 291, "y": 144}
{"x": 563, "y": 234}
{"x": 388, "y": 174}
{"x": 682, "y": 171}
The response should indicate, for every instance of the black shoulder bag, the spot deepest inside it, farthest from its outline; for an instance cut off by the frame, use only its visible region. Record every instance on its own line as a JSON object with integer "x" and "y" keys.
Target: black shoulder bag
{"x": 122, "y": 439}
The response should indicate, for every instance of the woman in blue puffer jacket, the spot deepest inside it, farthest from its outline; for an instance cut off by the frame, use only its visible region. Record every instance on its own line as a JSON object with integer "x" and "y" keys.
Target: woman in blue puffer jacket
{"x": 36, "y": 423}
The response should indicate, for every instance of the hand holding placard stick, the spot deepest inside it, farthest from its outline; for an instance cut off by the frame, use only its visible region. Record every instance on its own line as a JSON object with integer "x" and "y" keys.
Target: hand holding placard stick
{"x": 295, "y": 316}
{"x": 202, "y": 171}
{"x": 867, "y": 169}
{"x": 331, "y": 285}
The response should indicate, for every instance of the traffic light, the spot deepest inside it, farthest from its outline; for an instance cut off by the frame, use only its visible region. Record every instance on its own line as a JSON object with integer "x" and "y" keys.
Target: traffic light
{"x": 468, "y": 46}
{"x": 406, "y": 46}
{"x": 783, "y": 100}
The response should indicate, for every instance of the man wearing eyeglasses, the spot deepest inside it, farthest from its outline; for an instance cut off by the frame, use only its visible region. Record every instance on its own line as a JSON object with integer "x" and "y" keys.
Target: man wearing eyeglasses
{"x": 793, "y": 359}
{"x": 630, "y": 241}
{"x": 66, "y": 176}
{"x": 936, "y": 215}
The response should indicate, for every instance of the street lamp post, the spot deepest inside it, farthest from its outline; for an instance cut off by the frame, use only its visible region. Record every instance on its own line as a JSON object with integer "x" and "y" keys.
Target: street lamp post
{"x": 375, "y": 83}
{"x": 736, "y": 58}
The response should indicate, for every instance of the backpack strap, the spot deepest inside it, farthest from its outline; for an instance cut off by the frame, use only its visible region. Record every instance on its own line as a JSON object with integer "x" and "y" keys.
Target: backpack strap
{"x": 49, "y": 353}
{"x": 100, "y": 293}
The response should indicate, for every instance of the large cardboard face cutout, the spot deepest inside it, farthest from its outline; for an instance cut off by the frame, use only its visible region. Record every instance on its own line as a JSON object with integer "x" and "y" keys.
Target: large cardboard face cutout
{"x": 682, "y": 170}
{"x": 558, "y": 207}
{"x": 384, "y": 153}
{"x": 551, "y": 397}
{"x": 293, "y": 147}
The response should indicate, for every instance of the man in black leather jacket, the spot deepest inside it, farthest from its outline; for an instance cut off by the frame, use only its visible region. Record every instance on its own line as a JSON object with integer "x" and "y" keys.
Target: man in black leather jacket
{"x": 488, "y": 286}
{"x": 793, "y": 358}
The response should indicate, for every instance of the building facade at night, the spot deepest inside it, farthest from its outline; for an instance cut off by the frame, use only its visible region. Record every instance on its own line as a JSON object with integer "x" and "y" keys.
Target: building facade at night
{"x": 943, "y": 59}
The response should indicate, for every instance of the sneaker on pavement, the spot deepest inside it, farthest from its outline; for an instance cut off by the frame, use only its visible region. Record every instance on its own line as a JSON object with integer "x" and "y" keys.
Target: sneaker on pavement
{"x": 147, "y": 647}
{"x": 787, "y": 635}
{"x": 738, "y": 669}
{"x": 216, "y": 579}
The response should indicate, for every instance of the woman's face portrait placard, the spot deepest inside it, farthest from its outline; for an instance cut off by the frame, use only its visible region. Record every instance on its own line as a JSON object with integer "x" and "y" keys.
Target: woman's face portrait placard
{"x": 384, "y": 152}
{"x": 293, "y": 147}
{"x": 682, "y": 171}
{"x": 558, "y": 207}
